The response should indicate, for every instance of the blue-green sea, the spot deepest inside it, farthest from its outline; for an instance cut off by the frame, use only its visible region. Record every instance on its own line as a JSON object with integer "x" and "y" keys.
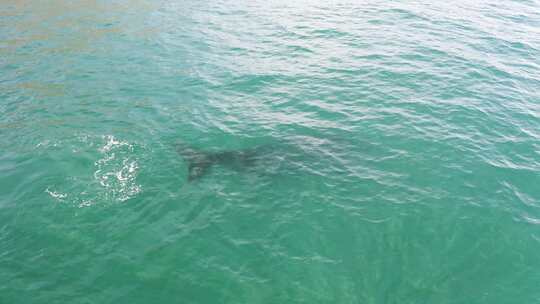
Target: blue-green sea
{"x": 233, "y": 151}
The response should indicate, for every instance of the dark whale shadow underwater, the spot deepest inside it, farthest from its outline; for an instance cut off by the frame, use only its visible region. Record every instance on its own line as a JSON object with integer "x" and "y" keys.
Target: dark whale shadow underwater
{"x": 288, "y": 158}
{"x": 199, "y": 163}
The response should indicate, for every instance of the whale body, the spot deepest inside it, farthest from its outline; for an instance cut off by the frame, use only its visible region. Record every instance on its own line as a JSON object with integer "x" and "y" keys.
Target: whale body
{"x": 200, "y": 162}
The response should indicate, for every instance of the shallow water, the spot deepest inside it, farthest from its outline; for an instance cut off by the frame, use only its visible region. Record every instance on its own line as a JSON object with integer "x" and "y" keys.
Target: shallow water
{"x": 398, "y": 152}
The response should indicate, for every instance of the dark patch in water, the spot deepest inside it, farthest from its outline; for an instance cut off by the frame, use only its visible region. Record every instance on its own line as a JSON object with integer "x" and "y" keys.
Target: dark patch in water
{"x": 200, "y": 162}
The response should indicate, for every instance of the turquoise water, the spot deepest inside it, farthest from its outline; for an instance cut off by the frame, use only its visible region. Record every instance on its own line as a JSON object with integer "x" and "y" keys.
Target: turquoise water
{"x": 397, "y": 152}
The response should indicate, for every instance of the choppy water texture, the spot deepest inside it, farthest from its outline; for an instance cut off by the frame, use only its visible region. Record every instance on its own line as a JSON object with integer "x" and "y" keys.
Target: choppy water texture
{"x": 396, "y": 151}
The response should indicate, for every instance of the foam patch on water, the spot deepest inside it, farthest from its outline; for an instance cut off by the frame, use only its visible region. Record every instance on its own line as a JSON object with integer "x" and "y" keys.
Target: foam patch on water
{"x": 56, "y": 195}
{"x": 117, "y": 170}
{"x": 111, "y": 176}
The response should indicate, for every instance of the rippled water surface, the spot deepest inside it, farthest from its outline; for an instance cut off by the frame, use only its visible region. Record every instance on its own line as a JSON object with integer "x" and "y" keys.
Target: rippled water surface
{"x": 269, "y": 151}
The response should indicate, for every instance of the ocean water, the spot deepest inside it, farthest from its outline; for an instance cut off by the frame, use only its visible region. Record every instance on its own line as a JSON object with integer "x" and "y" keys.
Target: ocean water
{"x": 340, "y": 151}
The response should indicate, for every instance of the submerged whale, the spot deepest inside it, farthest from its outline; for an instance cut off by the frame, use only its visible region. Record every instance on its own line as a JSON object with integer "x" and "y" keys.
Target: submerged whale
{"x": 289, "y": 157}
{"x": 200, "y": 162}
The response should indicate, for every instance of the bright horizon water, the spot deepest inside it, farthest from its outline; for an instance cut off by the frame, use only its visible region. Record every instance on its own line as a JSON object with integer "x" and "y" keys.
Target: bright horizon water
{"x": 340, "y": 151}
